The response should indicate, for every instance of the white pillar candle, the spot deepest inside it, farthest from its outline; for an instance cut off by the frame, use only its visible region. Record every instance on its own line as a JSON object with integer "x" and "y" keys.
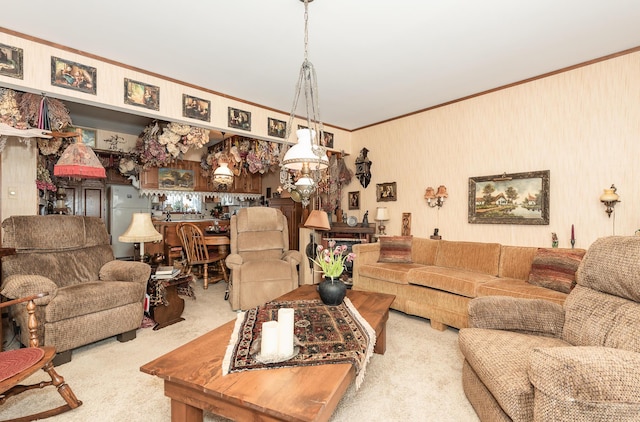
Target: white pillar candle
{"x": 285, "y": 331}
{"x": 269, "y": 343}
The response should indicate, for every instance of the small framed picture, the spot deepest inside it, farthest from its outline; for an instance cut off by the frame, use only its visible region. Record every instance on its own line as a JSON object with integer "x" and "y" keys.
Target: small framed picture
{"x": 196, "y": 108}
{"x": 141, "y": 94}
{"x": 11, "y": 61}
{"x": 72, "y": 75}
{"x": 386, "y": 192}
{"x": 277, "y": 128}
{"x": 406, "y": 224}
{"x": 354, "y": 200}
{"x": 327, "y": 140}
{"x": 239, "y": 119}
{"x": 88, "y": 136}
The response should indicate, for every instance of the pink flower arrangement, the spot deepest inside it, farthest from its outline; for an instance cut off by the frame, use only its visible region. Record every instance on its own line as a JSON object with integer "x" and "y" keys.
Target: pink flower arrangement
{"x": 332, "y": 259}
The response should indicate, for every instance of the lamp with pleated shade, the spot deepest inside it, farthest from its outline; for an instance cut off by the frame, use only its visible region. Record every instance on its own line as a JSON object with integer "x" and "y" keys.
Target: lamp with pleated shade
{"x": 140, "y": 230}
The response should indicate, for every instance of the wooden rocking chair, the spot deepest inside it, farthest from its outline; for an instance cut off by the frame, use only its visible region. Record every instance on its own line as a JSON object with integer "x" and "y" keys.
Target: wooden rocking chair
{"x": 17, "y": 365}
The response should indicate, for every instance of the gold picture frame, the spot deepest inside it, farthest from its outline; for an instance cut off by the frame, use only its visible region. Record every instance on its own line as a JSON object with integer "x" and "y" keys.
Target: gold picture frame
{"x": 141, "y": 95}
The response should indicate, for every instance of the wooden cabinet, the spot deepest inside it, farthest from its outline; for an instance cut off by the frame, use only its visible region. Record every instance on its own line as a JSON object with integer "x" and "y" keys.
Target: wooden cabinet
{"x": 149, "y": 178}
{"x": 247, "y": 183}
{"x": 86, "y": 197}
{"x": 202, "y": 182}
{"x": 293, "y": 211}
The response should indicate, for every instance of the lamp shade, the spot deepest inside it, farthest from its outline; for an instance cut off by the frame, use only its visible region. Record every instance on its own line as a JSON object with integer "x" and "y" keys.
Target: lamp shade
{"x": 382, "y": 214}
{"x": 303, "y": 152}
{"x": 442, "y": 192}
{"x": 140, "y": 230}
{"x": 79, "y": 161}
{"x": 609, "y": 195}
{"x": 318, "y": 220}
{"x": 430, "y": 193}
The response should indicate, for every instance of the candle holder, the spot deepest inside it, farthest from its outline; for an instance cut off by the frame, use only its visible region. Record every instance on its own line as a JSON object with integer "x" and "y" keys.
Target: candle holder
{"x": 573, "y": 243}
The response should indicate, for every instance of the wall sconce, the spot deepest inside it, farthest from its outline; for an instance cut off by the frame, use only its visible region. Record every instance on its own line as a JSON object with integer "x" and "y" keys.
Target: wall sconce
{"x": 382, "y": 215}
{"x": 436, "y": 196}
{"x": 609, "y": 199}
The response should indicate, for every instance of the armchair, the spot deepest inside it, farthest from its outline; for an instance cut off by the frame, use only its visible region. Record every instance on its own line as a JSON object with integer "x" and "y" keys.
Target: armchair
{"x": 262, "y": 266}
{"x": 91, "y": 296}
{"x": 532, "y": 360}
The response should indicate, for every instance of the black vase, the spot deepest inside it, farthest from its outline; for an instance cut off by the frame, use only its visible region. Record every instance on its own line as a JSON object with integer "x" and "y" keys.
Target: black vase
{"x": 332, "y": 291}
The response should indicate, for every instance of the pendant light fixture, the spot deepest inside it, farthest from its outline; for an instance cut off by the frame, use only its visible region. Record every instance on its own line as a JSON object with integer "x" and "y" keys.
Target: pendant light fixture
{"x": 307, "y": 158}
{"x": 80, "y": 162}
{"x": 223, "y": 176}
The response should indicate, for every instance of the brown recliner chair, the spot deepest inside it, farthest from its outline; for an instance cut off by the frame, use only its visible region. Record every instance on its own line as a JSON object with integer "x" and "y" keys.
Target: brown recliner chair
{"x": 91, "y": 297}
{"x": 532, "y": 360}
{"x": 262, "y": 266}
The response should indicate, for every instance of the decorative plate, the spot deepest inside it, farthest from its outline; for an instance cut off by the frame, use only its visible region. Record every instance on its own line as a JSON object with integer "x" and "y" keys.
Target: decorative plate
{"x": 352, "y": 221}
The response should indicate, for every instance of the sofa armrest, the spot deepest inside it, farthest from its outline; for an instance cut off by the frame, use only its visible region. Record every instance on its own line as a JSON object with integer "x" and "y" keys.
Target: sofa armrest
{"x": 366, "y": 253}
{"x": 292, "y": 256}
{"x": 233, "y": 261}
{"x": 534, "y": 316}
{"x": 22, "y": 285}
{"x": 125, "y": 271}
{"x": 578, "y": 381}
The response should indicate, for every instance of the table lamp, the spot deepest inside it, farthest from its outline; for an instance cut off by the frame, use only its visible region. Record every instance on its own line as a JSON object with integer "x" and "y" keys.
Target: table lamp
{"x": 140, "y": 230}
{"x": 382, "y": 215}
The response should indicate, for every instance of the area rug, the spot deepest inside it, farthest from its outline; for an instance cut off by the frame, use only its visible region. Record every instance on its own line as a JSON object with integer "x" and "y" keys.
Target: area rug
{"x": 325, "y": 335}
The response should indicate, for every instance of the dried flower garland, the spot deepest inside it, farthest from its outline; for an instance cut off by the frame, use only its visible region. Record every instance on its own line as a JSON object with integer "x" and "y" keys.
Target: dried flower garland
{"x": 9, "y": 111}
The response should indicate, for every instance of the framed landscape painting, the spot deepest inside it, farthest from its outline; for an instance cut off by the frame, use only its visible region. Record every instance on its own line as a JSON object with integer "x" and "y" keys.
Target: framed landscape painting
{"x": 518, "y": 198}
{"x": 175, "y": 179}
{"x": 72, "y": 75}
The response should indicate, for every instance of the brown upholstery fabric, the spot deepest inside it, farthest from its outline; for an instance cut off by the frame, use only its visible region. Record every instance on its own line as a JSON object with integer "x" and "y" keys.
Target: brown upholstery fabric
{"x": 91, "y": 295}
{"x": 515, "y": 261}
{"x": 555, "y": 268}
{"x": 472, "y": 256}
{"x": 543, "y": 362}
{"x": 461, "y": 282}
{"x": 395, "y": 249}
{"x": 391, "y": 272}
{"x": 500, "y": 359}
{"x": 520, "y": 289}
{"x": 262, "y": 266}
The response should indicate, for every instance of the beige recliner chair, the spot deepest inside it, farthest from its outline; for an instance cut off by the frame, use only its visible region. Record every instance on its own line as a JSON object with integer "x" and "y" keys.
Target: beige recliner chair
{"x": 532, "y": 360}
{"x": 91, "y": 297}
{"x": 262, "y": 266}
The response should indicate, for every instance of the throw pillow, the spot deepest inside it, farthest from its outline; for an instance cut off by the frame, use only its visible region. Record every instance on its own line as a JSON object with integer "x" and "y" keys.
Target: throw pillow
{"x": 556, "y": 268}
{"x": 395, "y": 249}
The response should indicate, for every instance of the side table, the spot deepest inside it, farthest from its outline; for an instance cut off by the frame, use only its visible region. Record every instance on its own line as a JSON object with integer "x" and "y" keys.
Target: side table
{"x": 166, "y": 305}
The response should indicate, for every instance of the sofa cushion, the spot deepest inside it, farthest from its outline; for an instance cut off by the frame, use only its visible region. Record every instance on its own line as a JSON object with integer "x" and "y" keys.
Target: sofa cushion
{"x": 473, "y": 256}
{"x": 555, "y": 268}
{"x": 395, "y": 249}
{"x": 503, "y": 370}
{"x": 460, "y": 282}
{"x": 515, "y": 261}
{"x": 391, "y": 272}
{"x": 520, "y": 289}
{"x": 91, "y": 297}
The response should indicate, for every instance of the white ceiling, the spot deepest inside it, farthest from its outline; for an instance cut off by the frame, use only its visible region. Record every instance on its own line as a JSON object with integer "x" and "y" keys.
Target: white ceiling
{"x": 375, "y": 59}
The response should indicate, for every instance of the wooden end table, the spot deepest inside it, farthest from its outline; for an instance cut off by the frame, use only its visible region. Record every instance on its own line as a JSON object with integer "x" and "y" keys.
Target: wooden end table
{"x": 193, "y": 374}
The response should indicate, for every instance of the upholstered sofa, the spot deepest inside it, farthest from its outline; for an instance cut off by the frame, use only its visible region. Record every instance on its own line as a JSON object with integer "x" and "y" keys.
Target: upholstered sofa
{"x": 262, "y": 266}
{"x": 533, "y": 360}
{"x": 436, "y": 279}
{"x": 92, "y": 296}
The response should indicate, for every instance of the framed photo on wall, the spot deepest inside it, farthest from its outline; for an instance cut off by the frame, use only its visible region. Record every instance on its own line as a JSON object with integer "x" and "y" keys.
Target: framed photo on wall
{"x": 239, "y": 119}
{"x": 277, "y": 128}
{"x": 72, "y": 75}
{"x": 386, "y": 192}
{"x": 196, "y": 108}
{"x": 518, "y": 198}
{"x": 354, "y": 200}
{"x": 141, "y": 94}
{"x": 11, "y": 61}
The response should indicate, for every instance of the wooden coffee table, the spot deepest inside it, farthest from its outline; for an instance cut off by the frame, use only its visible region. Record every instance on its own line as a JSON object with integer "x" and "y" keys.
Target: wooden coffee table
{"x": 193, "y": 374}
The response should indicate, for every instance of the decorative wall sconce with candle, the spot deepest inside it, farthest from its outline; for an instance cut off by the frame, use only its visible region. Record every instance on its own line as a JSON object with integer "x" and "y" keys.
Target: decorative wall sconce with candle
{"x": 382, "y": 215}
{"x": 609, "y": 198}
{"x": 436, "y": 196}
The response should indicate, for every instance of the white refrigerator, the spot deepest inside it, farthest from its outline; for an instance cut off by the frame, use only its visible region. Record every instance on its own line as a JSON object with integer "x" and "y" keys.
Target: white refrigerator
{"x": 124, "y": 201}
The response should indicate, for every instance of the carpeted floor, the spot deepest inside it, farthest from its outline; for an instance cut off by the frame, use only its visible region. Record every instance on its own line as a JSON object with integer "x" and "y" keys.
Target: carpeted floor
{"x": 417, "y": 379}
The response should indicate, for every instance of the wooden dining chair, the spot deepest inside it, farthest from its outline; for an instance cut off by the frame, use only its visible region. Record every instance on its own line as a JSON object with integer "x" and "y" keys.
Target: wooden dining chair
{"x": 198, "y": 257}
{"x": 19, "y": 364}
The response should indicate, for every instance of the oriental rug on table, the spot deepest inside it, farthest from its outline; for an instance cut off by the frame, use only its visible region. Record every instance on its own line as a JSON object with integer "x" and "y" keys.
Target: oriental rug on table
{"x": 325, "y": 334}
